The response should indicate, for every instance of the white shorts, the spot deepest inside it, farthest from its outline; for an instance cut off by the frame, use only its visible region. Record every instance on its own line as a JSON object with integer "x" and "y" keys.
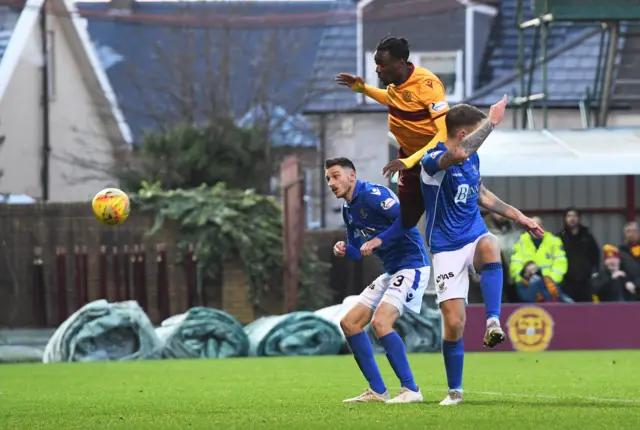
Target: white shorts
{"x": 451, "y": 271}
{"x": 403, "y": 289}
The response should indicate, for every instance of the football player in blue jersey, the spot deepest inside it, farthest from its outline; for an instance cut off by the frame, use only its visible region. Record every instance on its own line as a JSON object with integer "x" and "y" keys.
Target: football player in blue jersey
{"x": 372, "y": 215}
{"x": 457, "y": 235}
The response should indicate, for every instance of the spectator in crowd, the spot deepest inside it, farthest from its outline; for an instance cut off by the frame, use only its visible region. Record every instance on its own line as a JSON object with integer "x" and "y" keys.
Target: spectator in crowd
{"x": 508, "y": 234}
{"x": 631, "y": 245}
{"x": 547, "y": 253}
{"x": 615, "y": 283}
{"x": 535, "y": 287}
{"x": 583, "y": 256}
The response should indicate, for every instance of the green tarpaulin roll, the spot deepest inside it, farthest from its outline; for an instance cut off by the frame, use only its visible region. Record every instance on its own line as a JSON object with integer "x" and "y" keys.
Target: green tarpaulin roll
{"x": 203, "y": 333}
{"x": 104, "y": 331}
{"x": 296, "y": 333}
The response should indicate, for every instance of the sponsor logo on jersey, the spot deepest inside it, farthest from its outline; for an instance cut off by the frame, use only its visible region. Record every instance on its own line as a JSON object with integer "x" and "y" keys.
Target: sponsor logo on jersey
{"x": 464, "y": 192}
{"x": 439, "y": 106}
{"x": 388, "y": 203}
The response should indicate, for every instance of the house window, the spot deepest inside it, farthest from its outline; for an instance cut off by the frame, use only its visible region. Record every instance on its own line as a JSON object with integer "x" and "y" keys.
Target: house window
{"x": 51, "y": 64}
{"x": 447, "y": 65}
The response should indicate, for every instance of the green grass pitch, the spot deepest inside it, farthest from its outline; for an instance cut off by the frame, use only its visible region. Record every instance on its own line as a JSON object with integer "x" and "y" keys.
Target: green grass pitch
{"x": 550, "y": 390}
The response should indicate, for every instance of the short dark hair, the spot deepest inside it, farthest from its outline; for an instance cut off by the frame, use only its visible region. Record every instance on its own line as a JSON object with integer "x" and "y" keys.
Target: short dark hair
{"x": 339, "y": 161}
{"x": 463, "y": 115}
{"x": 397, "y": 48}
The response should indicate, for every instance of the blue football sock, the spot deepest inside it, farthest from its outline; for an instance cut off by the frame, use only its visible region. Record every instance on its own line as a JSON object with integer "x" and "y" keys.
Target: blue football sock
{"x": 397, "y": 356}
{"x": 491, "y": 286}
{"x": 363, "y": 353}
{"x": 453, "y": 353}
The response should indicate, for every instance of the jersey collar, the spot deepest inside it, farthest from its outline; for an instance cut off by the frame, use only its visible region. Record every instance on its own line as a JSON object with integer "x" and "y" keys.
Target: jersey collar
{"x": 412, "y": 69}
{"x": 356, "y": 191}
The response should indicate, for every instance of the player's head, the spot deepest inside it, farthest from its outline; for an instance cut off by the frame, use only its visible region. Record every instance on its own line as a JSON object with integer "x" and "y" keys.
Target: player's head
{"x": 340, "y": 174}
{"x": 392, "y": 56}
{"x": 571, "y": 218}
{"x": 462, "y": 120}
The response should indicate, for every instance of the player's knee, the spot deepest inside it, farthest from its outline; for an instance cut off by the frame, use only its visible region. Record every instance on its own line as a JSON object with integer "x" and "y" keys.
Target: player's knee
{"x": 453, "y": 327}
{"x": 454, "y": 319}
{"x": 489, "y": 249}
{"x": 384, "y": 318}
{"x": 351, "y": 326}
{"x": 382, "y": 325}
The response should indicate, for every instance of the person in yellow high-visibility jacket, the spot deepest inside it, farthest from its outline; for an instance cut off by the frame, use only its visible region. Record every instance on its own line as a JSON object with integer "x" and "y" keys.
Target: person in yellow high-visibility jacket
{"x": 548, "y": 254}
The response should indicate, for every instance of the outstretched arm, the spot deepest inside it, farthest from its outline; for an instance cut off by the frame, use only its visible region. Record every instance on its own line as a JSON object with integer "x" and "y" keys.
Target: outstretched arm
{"x": 378, "y": 94}
{"x": 356, "y": 83}
{"x": 492, "y": 203}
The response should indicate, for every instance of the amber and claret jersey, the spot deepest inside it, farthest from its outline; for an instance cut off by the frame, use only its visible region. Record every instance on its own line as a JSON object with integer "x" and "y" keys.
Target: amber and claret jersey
{"x": 413, "y": 108}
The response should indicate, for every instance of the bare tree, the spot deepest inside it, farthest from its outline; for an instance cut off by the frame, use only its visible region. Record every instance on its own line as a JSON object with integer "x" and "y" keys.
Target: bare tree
{"x": 191, "y": 75}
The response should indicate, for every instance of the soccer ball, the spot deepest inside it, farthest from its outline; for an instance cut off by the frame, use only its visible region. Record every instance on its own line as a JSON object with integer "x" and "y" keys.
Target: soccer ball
{"x": 111, "y": 206}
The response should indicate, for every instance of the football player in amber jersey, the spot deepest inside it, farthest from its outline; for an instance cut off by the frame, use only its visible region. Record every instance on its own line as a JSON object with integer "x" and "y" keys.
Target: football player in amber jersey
{"x": 415, "y": 99}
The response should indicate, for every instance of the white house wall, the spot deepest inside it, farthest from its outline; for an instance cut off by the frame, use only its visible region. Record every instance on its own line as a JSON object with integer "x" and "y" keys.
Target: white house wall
{"x": 75, "y": 128}
{"x": 21, "y": 124}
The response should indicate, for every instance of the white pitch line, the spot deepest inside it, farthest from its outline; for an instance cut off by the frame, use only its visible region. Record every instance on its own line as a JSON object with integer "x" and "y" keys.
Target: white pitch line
{"x": 539, "y": 396}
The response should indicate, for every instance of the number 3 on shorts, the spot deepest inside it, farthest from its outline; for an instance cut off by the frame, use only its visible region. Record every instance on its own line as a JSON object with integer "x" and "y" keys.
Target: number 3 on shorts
{"x": 398, "y": 280}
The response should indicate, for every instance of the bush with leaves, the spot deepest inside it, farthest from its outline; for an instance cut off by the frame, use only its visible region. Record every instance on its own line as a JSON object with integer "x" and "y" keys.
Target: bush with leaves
{"x": 187, "y": 155}
{"x": 225, "y": 223}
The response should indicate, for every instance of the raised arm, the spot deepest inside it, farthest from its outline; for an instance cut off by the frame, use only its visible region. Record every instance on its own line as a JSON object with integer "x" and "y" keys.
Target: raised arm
{"x": 470, "y": 143}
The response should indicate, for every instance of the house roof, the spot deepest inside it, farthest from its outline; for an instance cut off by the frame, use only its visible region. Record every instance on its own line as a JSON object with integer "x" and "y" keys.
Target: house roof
{"x": 572, "y": 51}
{"x": 16, "y": 29}
{"x": 249, "y": 53}
{"x": 337, "y": 53}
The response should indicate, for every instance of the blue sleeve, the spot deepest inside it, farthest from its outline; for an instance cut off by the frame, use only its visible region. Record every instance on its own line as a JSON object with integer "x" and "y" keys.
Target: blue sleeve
{"x": 430, "y": 161}
{"x": 353, "y": 241}
{"x": 387, "y": 204}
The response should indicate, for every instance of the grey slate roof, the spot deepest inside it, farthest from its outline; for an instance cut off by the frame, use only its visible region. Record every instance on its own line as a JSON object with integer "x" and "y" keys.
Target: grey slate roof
{"x": 573, "y": 68}
{"x": 132, "y": 48}
{"x": 337, "y": 53}
{"x": 8, "y": 20}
